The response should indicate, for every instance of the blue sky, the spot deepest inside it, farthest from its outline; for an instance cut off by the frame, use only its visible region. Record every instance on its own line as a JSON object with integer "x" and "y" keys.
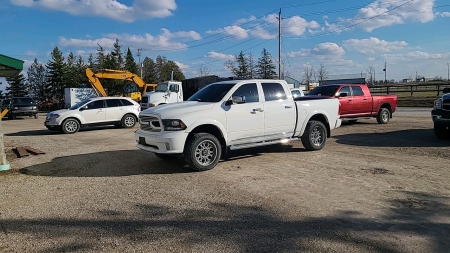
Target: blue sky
{"x": 346, "y": 36}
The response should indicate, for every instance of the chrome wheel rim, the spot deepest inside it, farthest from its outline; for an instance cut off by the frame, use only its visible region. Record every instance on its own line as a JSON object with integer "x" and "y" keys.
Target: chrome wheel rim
{"x": 206, "y": 152}
{"x": 317, "y": 136}
{"x": 384, "y": 116}
{"x": 71, "y": 126}
{"x": 129, "y": 121}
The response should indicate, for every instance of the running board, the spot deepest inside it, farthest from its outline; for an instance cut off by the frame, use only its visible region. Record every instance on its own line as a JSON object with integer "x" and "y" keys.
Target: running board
{"x": 260, "y": 144}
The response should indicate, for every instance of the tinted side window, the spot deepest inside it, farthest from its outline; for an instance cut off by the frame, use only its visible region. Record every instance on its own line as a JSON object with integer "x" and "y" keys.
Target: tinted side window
{"x": 250, "y": 91}
{"x": 97, "y": 104}
{"x": 357, "y": 91}
{"x": 273, "y": 91}
{"x": 126, "y": 102}
{"x": 345, "y": 89}
{"x": 113, "y": 103}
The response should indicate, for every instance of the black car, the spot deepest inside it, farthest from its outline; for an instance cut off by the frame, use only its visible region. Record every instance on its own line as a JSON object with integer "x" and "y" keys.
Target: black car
{"x": 20, "y": 106}
{"x": 441, "y": 116}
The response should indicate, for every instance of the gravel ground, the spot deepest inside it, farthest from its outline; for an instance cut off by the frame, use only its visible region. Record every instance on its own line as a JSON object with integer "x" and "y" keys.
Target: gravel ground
{"x": 373, "y": 188}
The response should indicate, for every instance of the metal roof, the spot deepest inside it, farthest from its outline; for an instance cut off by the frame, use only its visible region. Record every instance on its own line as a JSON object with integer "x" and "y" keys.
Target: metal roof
{"x": 10, "y": 66}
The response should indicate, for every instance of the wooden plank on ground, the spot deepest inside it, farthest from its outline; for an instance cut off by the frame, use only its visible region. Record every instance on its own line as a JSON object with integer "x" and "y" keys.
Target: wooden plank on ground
{"x": 33, "y": 150}
{"x": 22, "y": 151}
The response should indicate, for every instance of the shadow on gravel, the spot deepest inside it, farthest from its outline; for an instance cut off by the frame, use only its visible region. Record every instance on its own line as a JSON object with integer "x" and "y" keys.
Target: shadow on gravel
{"x": 131, "y": 162}
{"x": 402, "y": 138}
{"x": 408, "y": 221}
{"x": 48, "y": 132}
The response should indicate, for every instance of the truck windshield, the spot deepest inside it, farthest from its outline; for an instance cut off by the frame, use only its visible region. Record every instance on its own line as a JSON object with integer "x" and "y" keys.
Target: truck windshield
{"x": 161, "y": 87}
{"x": 328, "y": 91}
{"x": 212, "y": 93}
{"x": 23, "y": 101}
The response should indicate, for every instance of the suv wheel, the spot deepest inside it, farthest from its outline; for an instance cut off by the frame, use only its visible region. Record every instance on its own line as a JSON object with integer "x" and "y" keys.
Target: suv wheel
{"x": 70, "y": 126}
{"x": 128, "y": 121}
{"x": 202, "y": 151}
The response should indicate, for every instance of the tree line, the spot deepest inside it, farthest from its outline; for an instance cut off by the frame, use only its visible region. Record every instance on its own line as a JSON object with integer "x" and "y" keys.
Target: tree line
{"x": 46, "y": 82}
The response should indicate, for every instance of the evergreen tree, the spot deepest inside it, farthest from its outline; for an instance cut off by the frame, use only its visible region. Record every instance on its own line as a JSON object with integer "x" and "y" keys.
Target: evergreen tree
{"x": 167, "y": 69}
{"x": 159, "y": 67}
{"x": 38, "y": 81}
{"x": 265, "y": 68}
{"x": 80, "y": 73}
{"x": 70, "y": 73}
{"x": 116, "y": 56}
{"x": 148, "y": 71}
{"x": 55, "y": 75}
{"x": 242, "y": 69}
{"x": 100, "y": 58}
{"x": 91, "y": 61}
{"x": 130, "y": 63}
{"x": 17, "y": 86}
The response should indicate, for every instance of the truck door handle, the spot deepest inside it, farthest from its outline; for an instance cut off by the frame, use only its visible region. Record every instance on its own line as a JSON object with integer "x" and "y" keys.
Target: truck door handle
{"x": 287, "y": 106}
{"x": 258, "y": 110}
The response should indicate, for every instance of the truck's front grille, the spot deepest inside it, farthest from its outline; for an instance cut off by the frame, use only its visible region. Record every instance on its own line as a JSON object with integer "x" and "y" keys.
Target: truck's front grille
{"x": 446, "y": 104}
{"x": 144, "y": 100}
{"x": 149, "y": 123}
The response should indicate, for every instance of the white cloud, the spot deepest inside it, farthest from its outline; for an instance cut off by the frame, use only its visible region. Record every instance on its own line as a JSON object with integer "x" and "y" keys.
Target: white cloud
{"x": 444, "y": 14}
{"x": 416, "y": 55}
{"x": 233, "y": 30}
{"x": 373, "y": 45}
{"x": 400, "y": 15}
{"x": 244, "y": 20}
{"x": 221, "y": 56}
{"x": 113, "y": 9}
{"x": 323, "y": 50}
{"x": 260, "y": 32}
{"x": 181, "y": 65}
{"x": 371, "y": 59}
{"x": 155, "y": 43}
{"x": 295, "y": 25}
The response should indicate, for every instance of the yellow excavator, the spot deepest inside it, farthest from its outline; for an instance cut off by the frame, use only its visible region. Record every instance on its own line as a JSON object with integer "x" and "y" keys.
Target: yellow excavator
{"x": 131, "y": 91}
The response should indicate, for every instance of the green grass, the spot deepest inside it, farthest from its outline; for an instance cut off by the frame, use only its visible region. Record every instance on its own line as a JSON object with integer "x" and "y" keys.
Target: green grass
{"x": 418, "y": 99}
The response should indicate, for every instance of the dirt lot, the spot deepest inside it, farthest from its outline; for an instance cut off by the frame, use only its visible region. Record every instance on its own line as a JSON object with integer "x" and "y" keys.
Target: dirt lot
{"x": 374, "y": 188}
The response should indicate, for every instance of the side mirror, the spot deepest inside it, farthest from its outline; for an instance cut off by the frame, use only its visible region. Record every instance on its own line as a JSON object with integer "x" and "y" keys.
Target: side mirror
{"x": 342, "y": 95}
{"x": 236, "y": 100}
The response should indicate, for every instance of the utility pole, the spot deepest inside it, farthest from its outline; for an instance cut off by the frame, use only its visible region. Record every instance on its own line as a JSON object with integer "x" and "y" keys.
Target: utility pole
{"x": 416, "y": 77}
{"x": 448, "y": 73}
{"x": 279, "y": 44}
{"x": 385, "y": 70}
{"x": 139, "y": 55}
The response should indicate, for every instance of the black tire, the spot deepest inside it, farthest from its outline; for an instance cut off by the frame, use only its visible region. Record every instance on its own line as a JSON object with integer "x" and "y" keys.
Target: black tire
{"x": 315, "y": 136}
{"x": 168, "y": 157}
{"x": 70, "y": 126}
{"x": 36, "y": 116}
{"x": 202, "y": 151}
{"x": 352, "y": 121}
{"x": 441, "y": 132}
{"x": 383, "y": 116}
{"x": 128, "y": 121}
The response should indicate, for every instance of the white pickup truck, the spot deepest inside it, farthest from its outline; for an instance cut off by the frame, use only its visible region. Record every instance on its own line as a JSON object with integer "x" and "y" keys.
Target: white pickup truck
{"x": 232, "y": 115}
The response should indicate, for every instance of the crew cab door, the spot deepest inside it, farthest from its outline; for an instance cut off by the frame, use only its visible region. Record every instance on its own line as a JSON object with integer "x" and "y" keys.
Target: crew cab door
{"x": 362, "y": 101}
{"x": 245, "y": 120}
{"x": 279, "y": 111}
{"x": 346, "y": 106}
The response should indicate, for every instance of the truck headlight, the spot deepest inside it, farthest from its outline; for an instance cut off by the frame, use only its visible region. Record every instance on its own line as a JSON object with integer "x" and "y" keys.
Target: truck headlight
{"x": 173, "y": 125}
{"x": 438, "y": 104}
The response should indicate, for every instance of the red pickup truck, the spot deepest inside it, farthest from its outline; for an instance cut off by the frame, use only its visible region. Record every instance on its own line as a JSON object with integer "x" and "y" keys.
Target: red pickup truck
{"x": 357, "y": 102}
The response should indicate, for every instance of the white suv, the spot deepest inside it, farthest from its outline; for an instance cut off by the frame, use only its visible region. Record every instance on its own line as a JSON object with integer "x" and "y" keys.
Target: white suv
{"x": 119, "y": 111}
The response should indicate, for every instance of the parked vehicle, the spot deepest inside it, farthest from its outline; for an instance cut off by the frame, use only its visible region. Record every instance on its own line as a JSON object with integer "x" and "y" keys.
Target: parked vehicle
{"x": 232, "y": 115}
{"x": 297, "y": 92}
{"x": 441, "y": 115}
{"x": 20, "y": 106}
{"x": 174, "y": 91}
{"x": 121, "y": 112}
{"x": 356, "y": 101}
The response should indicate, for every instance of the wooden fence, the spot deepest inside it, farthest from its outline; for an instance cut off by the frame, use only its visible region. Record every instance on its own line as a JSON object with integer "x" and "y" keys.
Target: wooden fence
{"x": 410, "y": 88}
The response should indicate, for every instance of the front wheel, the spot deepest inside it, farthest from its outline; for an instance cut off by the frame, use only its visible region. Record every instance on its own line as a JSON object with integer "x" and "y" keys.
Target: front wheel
{"x": 202, "y": 151}
{"x": 315, "y": 136}
{"x": 383, "y": 116}
{"x": 70, "y": 126}
{"x": 441, "y": 132}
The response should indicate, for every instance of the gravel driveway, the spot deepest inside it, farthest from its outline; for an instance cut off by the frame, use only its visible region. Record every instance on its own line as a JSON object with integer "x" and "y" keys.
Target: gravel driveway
{"x": 373, "y": 188}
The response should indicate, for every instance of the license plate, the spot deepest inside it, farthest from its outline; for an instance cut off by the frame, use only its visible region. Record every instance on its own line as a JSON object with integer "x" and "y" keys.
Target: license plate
{"x": 142, "y": 140}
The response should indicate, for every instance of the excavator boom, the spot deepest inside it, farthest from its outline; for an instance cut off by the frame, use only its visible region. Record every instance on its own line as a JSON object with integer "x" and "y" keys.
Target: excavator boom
{"x": 95, "y": 83}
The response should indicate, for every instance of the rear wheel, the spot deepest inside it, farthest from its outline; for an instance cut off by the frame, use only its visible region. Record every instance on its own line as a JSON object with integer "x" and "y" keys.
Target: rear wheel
{"x": 383, "y": 116}
{"x": 315, "y": 136}
{"x": 440, "y": 131}
{"x": 128, "y": 121}
{"x": 202, "y": 151}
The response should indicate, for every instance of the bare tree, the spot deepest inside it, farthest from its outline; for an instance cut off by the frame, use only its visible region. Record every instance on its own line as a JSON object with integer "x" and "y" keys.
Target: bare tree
{"x": 203, "y": 71}
{"x": 371, "y": 74}
{"x": 308, "y": 75}
{"x": 322, "y": 73}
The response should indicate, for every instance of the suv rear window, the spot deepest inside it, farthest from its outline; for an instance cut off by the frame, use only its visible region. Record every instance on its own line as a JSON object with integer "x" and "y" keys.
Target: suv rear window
{"x": 23, "y": 101}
